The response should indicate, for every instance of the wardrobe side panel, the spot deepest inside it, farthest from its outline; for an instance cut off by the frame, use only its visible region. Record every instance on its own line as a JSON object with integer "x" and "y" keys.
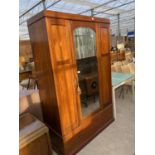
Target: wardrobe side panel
{"x": 43, "y": 67}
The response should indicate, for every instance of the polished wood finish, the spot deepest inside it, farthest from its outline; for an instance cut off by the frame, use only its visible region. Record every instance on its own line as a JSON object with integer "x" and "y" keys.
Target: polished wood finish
{"x": 105, "y": 67}
{"x": 59, "y": 15}
{"x": 51, "y": 35}
{"x": 44, "y": 73}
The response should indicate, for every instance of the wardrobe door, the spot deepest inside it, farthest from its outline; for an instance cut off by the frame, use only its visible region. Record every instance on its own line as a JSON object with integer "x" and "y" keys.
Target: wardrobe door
{"x": 63, "y": 68}
{"x": 105, "y": 69}
{"x": 84, "y": 36}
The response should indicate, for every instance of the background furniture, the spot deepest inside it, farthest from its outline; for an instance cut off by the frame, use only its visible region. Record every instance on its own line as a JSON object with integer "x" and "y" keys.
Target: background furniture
{"x": 34, "y": 138}
{"x": 117, "y": 56}
{"x": 113, "y": 68}
{"x": 24, "y": 74}
{"x": 123, "y": 66}
{"x": 29, "y": 102}
{"x": 119, "y": 79}
{"x": 129, "y": 56}
{"x": 28, "y": 77}
{"x": 125, "y": 69}
{"x": 131, "y": 67}
{"x": 113, "y": 56}
{"x": 30, "y": 81}
{"x": 121, "y": 56}
{"x": 62, "y": 55}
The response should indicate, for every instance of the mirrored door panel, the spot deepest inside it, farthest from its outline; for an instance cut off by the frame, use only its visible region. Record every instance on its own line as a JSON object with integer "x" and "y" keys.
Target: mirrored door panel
{"x": 85, "y": 48}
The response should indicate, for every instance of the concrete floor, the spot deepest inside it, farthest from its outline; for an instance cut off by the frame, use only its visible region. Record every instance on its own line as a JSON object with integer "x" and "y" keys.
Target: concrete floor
{"x": 117, "y": 138}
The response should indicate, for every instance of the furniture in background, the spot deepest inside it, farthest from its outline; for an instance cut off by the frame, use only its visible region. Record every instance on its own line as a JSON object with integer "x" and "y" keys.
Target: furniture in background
{"x": 29, "y": 102}
{"x": 24, "y": 74}
{"x": 131, "y": 67}
{"x": 118, "y": 80}
{"x": 129, "y": 57}
{"x": 113, "y": 68}
{"x": 28, "y": 77}
{"x": 33, "y": 136}
{"x": 30, "y": 81}
{"x": 125, "y": 69}
{"x": 121, "y": 56}
{"x": 118, "y": 68}
{"x": 91, "y": 83}
{"x": 25, "y": 49}
{"x": 117, "y": 65}
{"x": 123, "y": 66}
{"x": 113, "y": 56}
{"x": 117, "y": 56}
{"x": 124, "y": 62}
{"x": 21, "y": 62}
{"x": 67, "y": 47}
{"x": 31, "y": 59}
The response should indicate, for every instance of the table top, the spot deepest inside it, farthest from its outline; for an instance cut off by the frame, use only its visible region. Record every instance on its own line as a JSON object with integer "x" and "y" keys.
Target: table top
{"x": 118, "y": 78}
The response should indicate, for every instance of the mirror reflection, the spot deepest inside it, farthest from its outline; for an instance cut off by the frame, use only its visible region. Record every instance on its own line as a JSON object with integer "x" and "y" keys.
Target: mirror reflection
{"x": 85, "y": 48}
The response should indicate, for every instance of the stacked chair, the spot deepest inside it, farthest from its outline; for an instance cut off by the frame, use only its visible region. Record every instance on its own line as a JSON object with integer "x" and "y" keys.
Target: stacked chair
{"x": 31, "y": 81}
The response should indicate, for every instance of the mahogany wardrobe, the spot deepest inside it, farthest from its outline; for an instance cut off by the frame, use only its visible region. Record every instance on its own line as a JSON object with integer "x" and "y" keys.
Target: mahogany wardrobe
{"x": 72, "y": 62}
